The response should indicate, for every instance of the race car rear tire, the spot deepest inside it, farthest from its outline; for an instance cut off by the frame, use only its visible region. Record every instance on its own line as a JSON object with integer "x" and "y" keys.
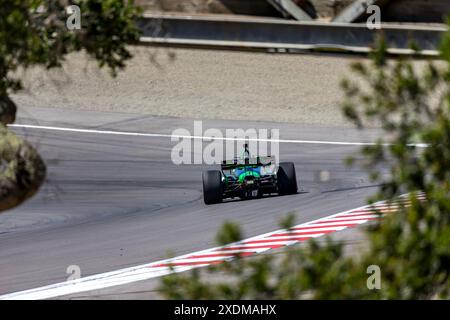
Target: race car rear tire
{"x": 287, "y": 179}
{"x": 212, "y": 186}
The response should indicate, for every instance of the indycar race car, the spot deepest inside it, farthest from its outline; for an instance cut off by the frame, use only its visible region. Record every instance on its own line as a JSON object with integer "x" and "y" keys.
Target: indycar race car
{"x": 248, "y": 178}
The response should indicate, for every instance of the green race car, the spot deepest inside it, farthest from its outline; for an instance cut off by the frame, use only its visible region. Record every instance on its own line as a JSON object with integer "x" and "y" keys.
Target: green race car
{"x": 248, "y": 178}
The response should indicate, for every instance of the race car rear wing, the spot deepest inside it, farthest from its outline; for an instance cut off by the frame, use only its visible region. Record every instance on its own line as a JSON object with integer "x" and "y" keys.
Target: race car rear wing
{"x": 256, "y": 161}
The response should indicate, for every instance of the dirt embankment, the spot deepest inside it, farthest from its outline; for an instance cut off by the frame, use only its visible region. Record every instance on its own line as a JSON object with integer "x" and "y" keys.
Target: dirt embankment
{"x": 199, "y": 84}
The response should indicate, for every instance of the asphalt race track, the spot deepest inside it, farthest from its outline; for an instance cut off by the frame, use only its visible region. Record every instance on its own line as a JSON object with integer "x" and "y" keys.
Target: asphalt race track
{"x": 114, "y": 201}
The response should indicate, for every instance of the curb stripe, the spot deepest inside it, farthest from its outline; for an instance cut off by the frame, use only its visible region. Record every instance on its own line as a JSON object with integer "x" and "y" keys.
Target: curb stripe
{"x": 358, "y": 220}
{"x": 279, "y": 240}
{"x": 338, "y": 224}
{"x": 243, "y": 246}
{"x": 317, "y": 229}
{"x": 193, "y": 263}
{"x": 295, "y": 233}
{"x": 240, "y": 254}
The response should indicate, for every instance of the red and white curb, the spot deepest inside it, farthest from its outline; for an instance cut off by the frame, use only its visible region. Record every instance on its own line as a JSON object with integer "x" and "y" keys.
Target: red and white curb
{"x": 244, "y": 248}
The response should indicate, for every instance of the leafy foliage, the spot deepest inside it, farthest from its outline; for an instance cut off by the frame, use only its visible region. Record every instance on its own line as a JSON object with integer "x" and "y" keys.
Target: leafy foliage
{"x": 34, "y": 32}
{"x": 412, "y": 246}
{"x": 22, "y": 170}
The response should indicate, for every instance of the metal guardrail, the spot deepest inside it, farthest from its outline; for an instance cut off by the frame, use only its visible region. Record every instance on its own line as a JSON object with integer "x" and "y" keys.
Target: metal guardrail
{"x": 276, "y": 35}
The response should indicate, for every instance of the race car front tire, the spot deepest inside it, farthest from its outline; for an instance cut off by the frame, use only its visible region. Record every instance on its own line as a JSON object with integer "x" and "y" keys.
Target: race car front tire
{"x": 287, "y": 179}
{"x": 212, "y": 186}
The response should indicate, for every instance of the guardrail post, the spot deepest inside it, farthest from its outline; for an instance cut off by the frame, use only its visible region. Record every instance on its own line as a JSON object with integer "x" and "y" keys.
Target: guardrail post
{"x": 290, "y": 8}
{"x": 356, "y": 10}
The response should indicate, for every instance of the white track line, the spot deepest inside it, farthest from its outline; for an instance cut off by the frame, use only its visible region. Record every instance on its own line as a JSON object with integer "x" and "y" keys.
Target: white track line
{"x": 161, "y": 268}
{"x": 208, "y": 138}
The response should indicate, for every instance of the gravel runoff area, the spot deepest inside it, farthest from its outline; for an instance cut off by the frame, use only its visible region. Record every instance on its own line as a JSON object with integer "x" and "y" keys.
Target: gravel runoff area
{"x": 189, "y": 83}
